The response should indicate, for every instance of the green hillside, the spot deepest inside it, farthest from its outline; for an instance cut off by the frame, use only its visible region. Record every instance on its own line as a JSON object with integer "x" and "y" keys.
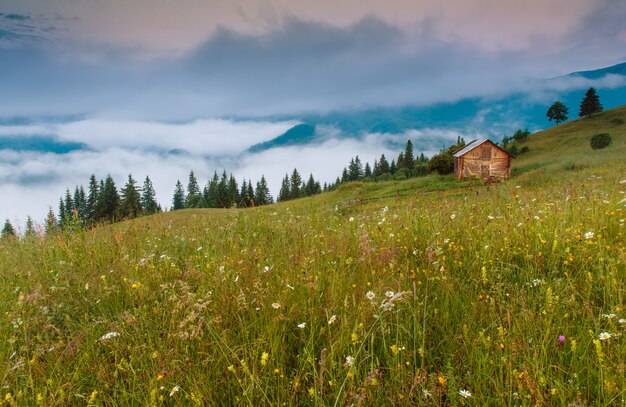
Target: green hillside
{"x": 427, "y": 291}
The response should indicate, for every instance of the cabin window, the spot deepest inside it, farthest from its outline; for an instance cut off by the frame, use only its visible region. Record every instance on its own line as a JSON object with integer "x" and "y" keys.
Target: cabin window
{"x": 486, "y": 153}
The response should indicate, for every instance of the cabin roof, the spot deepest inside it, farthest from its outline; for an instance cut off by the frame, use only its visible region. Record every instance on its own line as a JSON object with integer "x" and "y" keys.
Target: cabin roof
{"x": 472, "y": 145}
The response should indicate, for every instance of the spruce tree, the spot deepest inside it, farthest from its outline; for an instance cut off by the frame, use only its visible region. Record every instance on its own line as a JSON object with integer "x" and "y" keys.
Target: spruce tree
{"x": 148, "y": 198}
{"x": 309, "y": 188}
{"x": 69, "y": 205}
{"x": 223, "y": 195}
{"x": 194, "y": 198}
{"x": 233, "y": 192}
{"x": 295, "y": 185}
{"x": 244, "y": 202}
{"x": 30, "y": 227}
{"x": 130, "y": 206}
{"x": 51, "y": 223}
{"x": 590, "y": 104}
{"x": 401, "y": 164}
{"x": 62, "y": 213}
{"x": 250, "y": 194}
{"x": 285, "y": 193}
{"x": 92, "y": 200}
{"x": 262, "y": 194}
{"x": 178, "y": 201}
{"x": 110, "y": 200}
{"x": 211, "y": 192}
{"x": 345, "y": 177}
{"x": 383, "y": 165}
{"x": 8, "y": 231}
{"x": 409, "y": 159}
{"x": 393, "y": 167}
{"x": 368, "y": 170}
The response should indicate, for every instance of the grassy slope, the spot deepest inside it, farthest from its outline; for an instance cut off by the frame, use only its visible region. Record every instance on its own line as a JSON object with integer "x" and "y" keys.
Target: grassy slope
{"x": 490, "y": 276}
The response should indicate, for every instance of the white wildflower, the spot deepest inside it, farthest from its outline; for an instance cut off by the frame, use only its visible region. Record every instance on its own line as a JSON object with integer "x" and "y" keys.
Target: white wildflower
{"x": 370, "y": 295}
{"x": 605, "y": 335}
{"x": 109, "y": 335}
{"x": 332, "y": 319}
{"x": 589, "y": 235}
{"x": 302, "y": 325}
{"x": 465, "y": 393}
{"x": 349, "y": 360}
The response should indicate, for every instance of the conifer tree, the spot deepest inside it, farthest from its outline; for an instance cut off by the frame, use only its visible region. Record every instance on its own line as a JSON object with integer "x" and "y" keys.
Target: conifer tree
{"x": 393, "y": 167}
{"x": 590, "y": 104}
{"x": 62, "y": 214}
{"x": 262, "y": 194}
{"x": 309, "y": 188}
{"x": 178, "y": 201}
{"x": 194, "y": 198}
{"x": 285, "y": 192}
{"x": 222, "y": 200}
{"x": 110, "y": 200}
{"x": 376, "y": 169}
{"x": 30, "y": 228}
{"x": 244, "y": 197}
{"x": 233, "y": 192}
{"x": 383, "y": 165}
{"x": 51, "y": 223}
{"x": 368, "y": 170}
{"x": 8, "y": 231}
{"x": 295, "y": 185}
{"x": 69, "y": 205}
{"x": 344, "y": 175}
{"x": 400, "y": 165}
{"x": 130, "y": 205}
{"x": 211, "y": 192}
{"x": 92, "y": 200}
{"x": 409, "y": 159}
{"x": 148, "y": 198}
{"x": 100, "y": 213}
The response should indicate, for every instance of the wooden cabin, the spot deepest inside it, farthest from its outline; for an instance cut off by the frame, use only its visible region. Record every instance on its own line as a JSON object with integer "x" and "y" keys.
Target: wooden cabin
{"x": 483, "y": 159}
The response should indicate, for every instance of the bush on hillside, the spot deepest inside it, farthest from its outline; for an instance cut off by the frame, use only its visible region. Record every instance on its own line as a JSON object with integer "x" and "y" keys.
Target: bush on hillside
{"x": 599, "y": 141}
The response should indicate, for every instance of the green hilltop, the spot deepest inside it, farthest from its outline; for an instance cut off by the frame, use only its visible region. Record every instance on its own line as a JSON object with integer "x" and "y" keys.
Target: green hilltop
{"x": 426, "y": 291}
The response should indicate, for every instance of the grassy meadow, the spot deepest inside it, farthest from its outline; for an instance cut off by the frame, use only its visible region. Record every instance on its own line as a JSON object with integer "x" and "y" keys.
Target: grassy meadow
{"x": 422, "y": 292}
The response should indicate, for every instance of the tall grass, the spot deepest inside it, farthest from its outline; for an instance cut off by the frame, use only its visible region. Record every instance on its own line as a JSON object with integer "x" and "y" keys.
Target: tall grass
{"x": 420, "y": 292}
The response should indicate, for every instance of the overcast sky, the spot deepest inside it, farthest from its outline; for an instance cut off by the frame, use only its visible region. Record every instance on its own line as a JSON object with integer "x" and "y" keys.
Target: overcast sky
{"x": 135, "y": 79}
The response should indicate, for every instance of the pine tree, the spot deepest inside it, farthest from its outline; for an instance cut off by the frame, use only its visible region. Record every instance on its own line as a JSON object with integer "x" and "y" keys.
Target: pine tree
{"x": 222, "y": 192}
{"x": 244, "y": 201}
{"x": 409, "y": 160}
{"x": 92, "y": 200}
{"x": 309, "y": 188}
{"x": 130, "y": 206}
{"x": 110, "y": 200}
{"x": 393, "y": 167}
{"x": 368, "y": 170}
{"x": 295, "y": 185}
{"x": 383, "y": 165}
{"x": 210, "y": 194}
{"x": 100, "y": 213}
{"x": 80, "y": 202}
{"x": 233, "y": 192}
{"x": 590, "y": 104}
{"x": 69, "y": 205}
{"x": 194, "y": 198}
{"x": 285, "y": 192}
{"x": 345, "y": 177}
{"x": 262, "y": 195}
{"x": 8, "y": 231}
{"x": 178, "y": 201}
{"x": 51, "y": 223}
{"x": 400, "y": 164}
{"x": 62, "y": 214}
{"x": 148, "y": 198}
{"x": 30, "y": 227}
